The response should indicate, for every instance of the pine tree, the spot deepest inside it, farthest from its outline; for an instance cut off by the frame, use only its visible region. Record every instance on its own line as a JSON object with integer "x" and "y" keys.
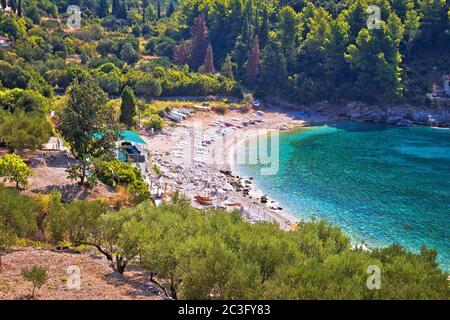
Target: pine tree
{"x": 376, "y": 59}
{"x": 128, "y": 107}
{"x": 253, "y": 63}
{"x": 335, "y": 67}
{"x": 3, "y": 4}
{"x": 227, "y": 68}
{"x": 288, "y": 25}
{"x": 357, "y": 18}
{"x": 208, "y": 66}
{"x": 244, "y": 40}
{"x": 433, "y": 19}
{"x": 170, "y": 9}
{"x": 180, "y": 53}
{"x": 412, "y": 29}
{"x": 273, "y": 68}
{"x": 199, "y": 34}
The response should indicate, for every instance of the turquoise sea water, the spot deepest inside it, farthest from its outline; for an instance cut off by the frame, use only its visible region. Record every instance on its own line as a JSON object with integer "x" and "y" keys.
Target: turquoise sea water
{"x": 379, "y": 183}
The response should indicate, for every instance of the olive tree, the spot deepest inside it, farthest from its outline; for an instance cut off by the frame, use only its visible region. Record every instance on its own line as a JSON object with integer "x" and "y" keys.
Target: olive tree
{"x": 20, "y": 130}
{"x": 18, "y": 215}
{"x": 14, "y": 169}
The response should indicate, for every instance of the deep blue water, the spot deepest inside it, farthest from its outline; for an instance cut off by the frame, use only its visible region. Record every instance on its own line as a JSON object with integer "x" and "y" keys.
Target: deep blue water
{"x": 379, "y": 183}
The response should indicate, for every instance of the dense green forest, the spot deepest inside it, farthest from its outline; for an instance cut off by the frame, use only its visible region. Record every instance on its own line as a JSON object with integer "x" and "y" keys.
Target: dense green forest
{"x": 216, "y": 255}
{"x": 303, "y": 50}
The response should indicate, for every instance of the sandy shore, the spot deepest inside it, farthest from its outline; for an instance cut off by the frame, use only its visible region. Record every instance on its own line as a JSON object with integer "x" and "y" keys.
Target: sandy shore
{"x": 198, "y": 158}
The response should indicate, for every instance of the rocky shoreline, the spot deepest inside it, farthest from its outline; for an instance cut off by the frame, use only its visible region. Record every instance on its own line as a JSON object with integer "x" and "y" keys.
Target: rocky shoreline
{"x": 403, "y": 116}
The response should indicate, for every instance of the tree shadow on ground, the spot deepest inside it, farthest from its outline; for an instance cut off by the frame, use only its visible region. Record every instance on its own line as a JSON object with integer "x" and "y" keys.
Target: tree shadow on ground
{"x": 137, "y": 280}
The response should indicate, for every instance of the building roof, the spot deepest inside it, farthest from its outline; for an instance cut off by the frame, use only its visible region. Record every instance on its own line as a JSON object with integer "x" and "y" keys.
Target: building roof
{"x": 4, "y": 38}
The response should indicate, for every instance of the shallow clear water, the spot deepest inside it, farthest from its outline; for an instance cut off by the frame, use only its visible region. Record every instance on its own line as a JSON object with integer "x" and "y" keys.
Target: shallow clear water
{"x": 379, "y": 183}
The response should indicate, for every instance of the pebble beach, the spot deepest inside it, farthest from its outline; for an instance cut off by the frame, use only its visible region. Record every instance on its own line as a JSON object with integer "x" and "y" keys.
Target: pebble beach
{"x": 197, "y": 157}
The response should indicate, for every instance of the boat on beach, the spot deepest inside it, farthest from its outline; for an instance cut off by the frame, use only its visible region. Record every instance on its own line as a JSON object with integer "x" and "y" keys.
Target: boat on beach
{"x": 207, "y": 201}
{"x": 440, "y": 128}
{"x": 232, "y": 204}
{"x": 173, "y": 117}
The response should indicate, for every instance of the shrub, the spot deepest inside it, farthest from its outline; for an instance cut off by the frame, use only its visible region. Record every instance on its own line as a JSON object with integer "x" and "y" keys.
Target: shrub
{"x": 18, "y": 215}
{"x": 129, "y": 54}
{"x": 108, "y": 67}
{"x": 26, "y": 100}
{"x": 24, "y": 131}
{"x": 115, "y": 173}
{"x": 13, "y": 169}
{"x": 154, "y": 121}
{"x": 97, "y": 62}
{"x": 148, "y": 87}
{"x": 36, "y": 275}
{"x": 220, "y": 109}
{"x": 13, "y": 76}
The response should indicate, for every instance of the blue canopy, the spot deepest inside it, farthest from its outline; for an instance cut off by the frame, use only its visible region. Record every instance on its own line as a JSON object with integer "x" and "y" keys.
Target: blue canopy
{"x": 131, "y": 136}
{"x": 125, "y": 135}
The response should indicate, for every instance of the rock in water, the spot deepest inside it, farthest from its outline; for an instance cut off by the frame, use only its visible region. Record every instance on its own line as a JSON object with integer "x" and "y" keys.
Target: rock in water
{"x": 405, "y": 123}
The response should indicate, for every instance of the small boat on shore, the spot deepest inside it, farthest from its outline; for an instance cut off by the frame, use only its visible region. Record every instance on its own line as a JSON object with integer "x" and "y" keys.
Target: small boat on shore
{"x": 203, "y": 200}
{"x": 173, "y": 117}
{"x": 202, "y": 108}
{"x": 232, "y": 204}
{"x": 440, "y": 128}
{"x": 179, "y": 114}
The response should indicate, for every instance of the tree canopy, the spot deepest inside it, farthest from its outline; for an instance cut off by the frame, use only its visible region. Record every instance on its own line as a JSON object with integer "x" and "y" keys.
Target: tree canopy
{"x": 88, "y": 125}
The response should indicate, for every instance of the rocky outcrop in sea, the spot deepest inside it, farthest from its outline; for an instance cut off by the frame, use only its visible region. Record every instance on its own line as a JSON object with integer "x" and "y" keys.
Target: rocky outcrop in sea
{"x": 399, "y": 115}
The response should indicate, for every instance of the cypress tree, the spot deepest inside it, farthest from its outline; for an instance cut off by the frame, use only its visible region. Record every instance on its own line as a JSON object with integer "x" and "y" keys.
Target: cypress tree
{"x": 19, "y": 8}
{"x": 159, "y": 10}
{"x": 199, "y": 34}
{"x": 170, "y": 9}
{"x": 128, "y": 107}
{"x": 209, "y": 61}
